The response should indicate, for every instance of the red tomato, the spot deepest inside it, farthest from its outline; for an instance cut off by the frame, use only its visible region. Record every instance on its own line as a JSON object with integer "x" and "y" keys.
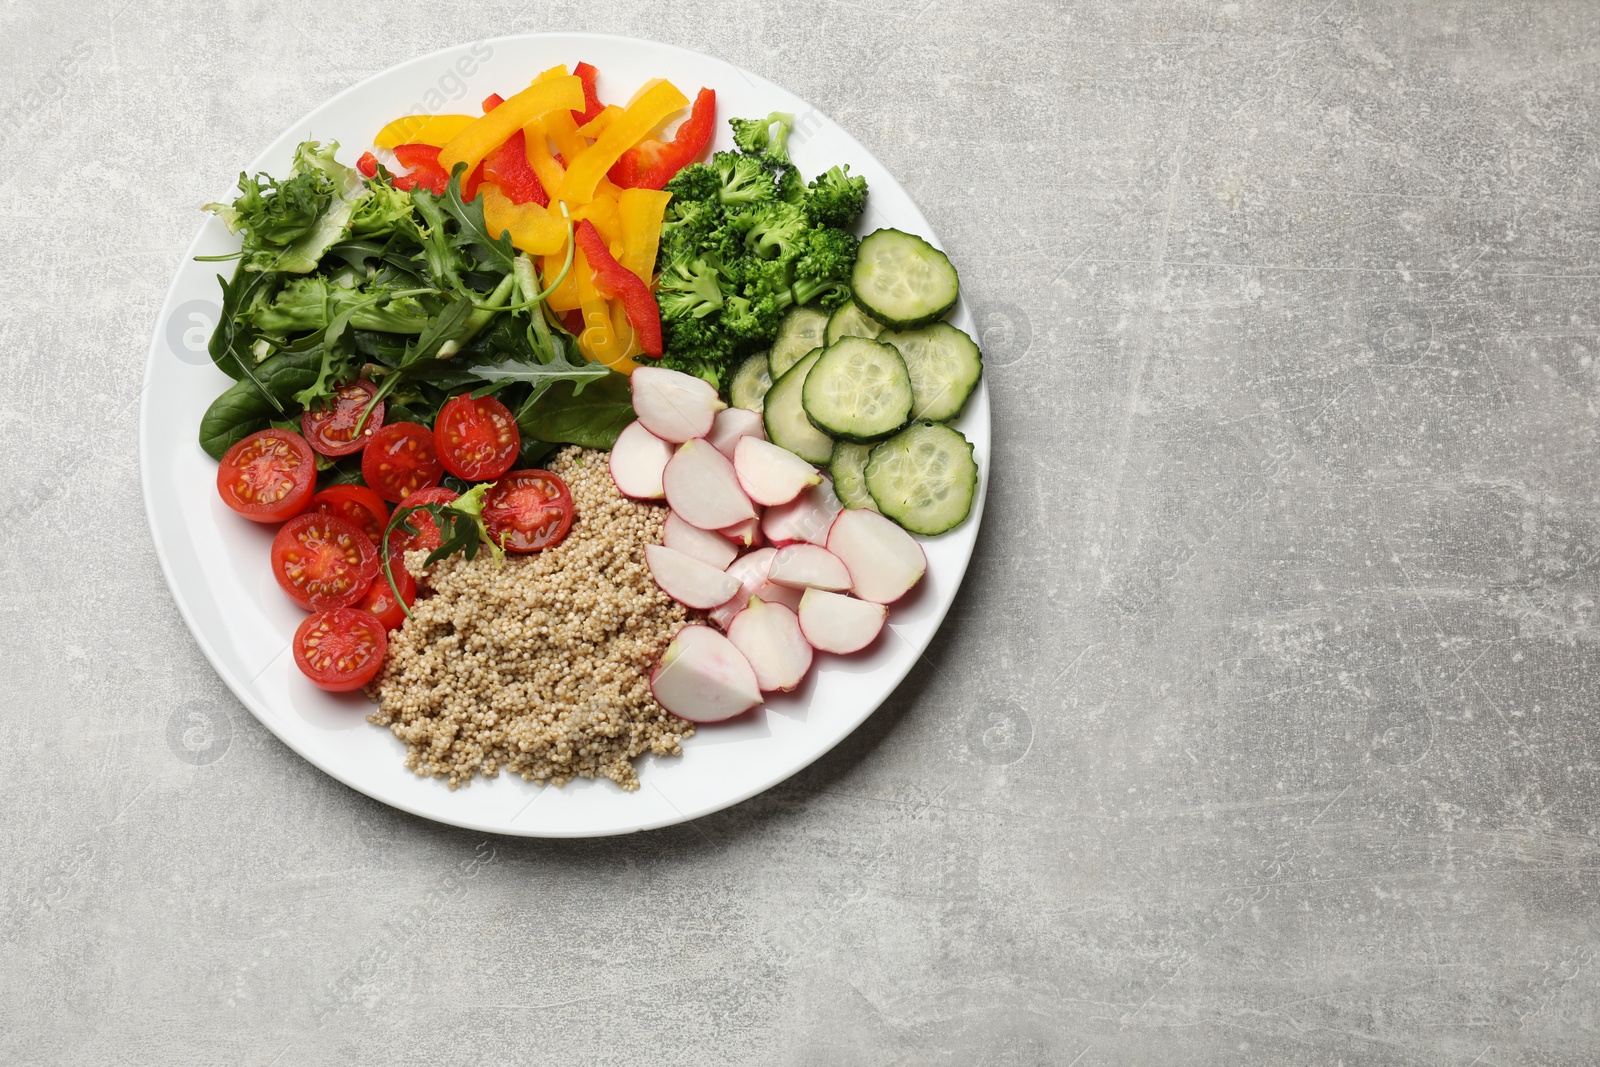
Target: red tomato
{"x": 476, "y": 439}
{"x": 357, "y": 505}
{"x": 400, "y": 459}
{"x": 427, "y": 535}
{"x": 323, "y": 562}
{"x": 380, "y": 599}
{"x": 527, "y": 510}
{"x": 340, "y": 649}
{"x": 332, "y": 429}
{"x": 269, "y": 476}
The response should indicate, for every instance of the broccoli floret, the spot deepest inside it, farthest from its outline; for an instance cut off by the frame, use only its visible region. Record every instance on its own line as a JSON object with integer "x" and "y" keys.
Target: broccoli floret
{"x": 768, "y": 137}
{"x": 689, "y": 290}
{"x": 754, "y": 321}
{"x": 699, "y": 347}
{"x": 777, "y": 231}
{"x": 744, "y": 179}
{"x": 836, "y": 198}
{"x": 791, "y": 187}
{"x": 697, "y": 181}
{"x": 686, "y": 230}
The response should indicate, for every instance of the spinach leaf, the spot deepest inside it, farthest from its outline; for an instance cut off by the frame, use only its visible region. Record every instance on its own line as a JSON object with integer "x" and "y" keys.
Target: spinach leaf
{"x": 245, "y": 407}
{"x": 592, "y": 419}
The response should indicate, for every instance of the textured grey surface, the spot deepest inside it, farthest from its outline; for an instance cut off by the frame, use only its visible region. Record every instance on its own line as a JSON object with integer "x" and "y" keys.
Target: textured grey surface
{"x": 1261, "y": 733}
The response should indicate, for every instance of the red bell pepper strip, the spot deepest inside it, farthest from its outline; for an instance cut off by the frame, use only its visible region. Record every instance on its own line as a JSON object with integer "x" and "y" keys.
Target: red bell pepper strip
{"x": 573, "y": 321}
{"x": 591, "y": 96}
{"x": 507, "y": 167}
{"x": 367, "y": 165}
{"x": 651, "y": 163}
{"x": 424, "y": 172}
{"x": 615, "y": 282}
{"x": 492, "y": 101}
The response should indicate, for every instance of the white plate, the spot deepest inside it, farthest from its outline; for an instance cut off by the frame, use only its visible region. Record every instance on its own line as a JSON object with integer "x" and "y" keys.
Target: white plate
{"x": 217, "y": 563}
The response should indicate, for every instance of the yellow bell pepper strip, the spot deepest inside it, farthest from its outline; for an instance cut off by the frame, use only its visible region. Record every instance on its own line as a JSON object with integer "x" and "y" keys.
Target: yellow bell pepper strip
{"x": 597, "y": 341}
{"x": 543, "y": 163}
{"x": 652, "y": 107}
{"x": 602, "y": 212}
{"x": 564, "y": 297}
{"x": 600, "y": 123}
{"x": 491, "y": 131}
{"x": 532, "y": 228}
{"x": 641, "y": 212}
{"x": 564, "y": 132}
{"x": 436, "y": 130}
{"x": 626, "y": 335}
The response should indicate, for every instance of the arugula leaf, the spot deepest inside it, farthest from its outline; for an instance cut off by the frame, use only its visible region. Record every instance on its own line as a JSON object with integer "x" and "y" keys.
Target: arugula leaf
{"x": 541, "y": 376}
{"x": 494, "y": 252}
{"x": 592, "y": 420}
{"x": 445, "y": 326}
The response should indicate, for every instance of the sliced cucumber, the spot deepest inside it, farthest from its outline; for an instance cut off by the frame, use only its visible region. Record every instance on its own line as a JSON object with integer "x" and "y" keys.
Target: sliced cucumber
{"x": 859, "y": 390}
{"x": 800, "y": 331}
{"x": 785, "y": 419}
{"x": 945, "y": 366}
{"x": 924, "y": 477}
{"x": 850, "y": 321}
{"x": 749, "y": 384}
{"x": 902, "y": 280}
{"x": 848, "y": 468}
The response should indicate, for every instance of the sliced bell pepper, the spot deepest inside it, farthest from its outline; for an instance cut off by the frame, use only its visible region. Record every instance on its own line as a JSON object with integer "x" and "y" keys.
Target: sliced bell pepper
{"x": 422, "y": 168}
{"x": 603, "y": 213}
{"x": 422, "y": 129}
{"x": 641, "y": 212}
{"x": 492, "y": 101}
{"x": 563, "y": 297}
{"x": 651, "y": 163}
{"x": 627, "y": 336}
{"x": 367, "y": 165}
{"x": 586, "y": 73}
{"x": 532, "y": 229}
{"x": 648, "y": 110}
{"x": 507, "y": 167}
{"x": 600, "y": 123}
{"x": 489, "y": 132}
{"x": 569, "y": 146}
{"x": 616, "y": 282}
{"x": 537, "y": 145}
{"x": 573, "y": 321}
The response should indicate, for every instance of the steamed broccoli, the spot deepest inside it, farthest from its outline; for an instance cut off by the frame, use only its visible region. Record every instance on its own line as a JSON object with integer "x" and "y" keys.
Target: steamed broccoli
{"x": 744, "y": 179}
{"x": 791, "y": 187}
{"x": 689, "y": 290}
{"x": 777, "y": 231}
{"x": 697, "y": 181}
{"x": 836, "y": 198}
{"x": 759, "y": 138}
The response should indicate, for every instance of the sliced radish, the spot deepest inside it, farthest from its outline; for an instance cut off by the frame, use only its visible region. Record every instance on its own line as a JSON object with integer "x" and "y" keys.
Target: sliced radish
{"x": 750, "y": 570}
{"x": 771, "y": 475}
{"x": 707, "y": 547}
{"x": 746, "y": 534}
{"x": 674, "y": 406}
{"x": 805, "y": 566}
{"x": 805, "y": 518}
{"x": 884, "y": 561}
{"x": 770, "y": 638}
{"x": 688, "y": 580}
{"x": 833, "y": 622}
{"x": 732, "y": 424}
{"x": 703, "y": 677}
{"x": 637, "y": 460}
{"x": 702, "y": 487}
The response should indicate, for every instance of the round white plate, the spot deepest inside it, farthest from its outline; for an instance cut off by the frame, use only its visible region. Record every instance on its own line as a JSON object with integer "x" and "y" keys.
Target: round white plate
{"x": 217, "y": 563}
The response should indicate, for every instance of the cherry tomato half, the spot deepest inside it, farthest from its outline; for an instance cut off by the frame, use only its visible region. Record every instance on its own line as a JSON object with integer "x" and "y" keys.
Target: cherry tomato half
{"x": 269, "y": 476}
{"x": 340, "y": 649}
{"x": 380, "y": 599}
{"x": 476, "y": 439}
{"x": 323, "y": 562}
{"x": 528, "y": 510}
{"x": 427, "y": 535}
{"x": 357, "y": 505}
{"x": 332, "y": 429}
{"x": 399, "y": 460}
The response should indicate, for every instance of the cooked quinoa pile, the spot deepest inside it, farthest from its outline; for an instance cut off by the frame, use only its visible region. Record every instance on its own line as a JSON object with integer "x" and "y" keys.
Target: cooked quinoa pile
{"x": 541, "y": 665}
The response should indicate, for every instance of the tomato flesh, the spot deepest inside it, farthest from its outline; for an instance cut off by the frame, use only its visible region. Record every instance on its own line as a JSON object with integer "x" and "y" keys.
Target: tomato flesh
{"x": 332, "y": 429}
{"x": 380, "y": 601}
{"x": 269, "y": 476}
{"x": 323, "y": 561}
{"x": 357, "y": 505}
{"x": 477, "y": 439}
{"x": 340, "y": 649}
{"x": 427, "y": 535}
{"x": 399, "y": 460}
{"x": 528, "y": 510}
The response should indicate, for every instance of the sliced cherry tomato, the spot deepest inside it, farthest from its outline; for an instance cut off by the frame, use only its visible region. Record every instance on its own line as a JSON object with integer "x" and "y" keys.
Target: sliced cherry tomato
{"x": 528, "y": 510}
{"x": 367, "y": 165}
{"x": 332, "y": 429}
{"x": 427, "y": 535}
{"x": 269, "y": 476}
{"x": 340, "y": 649}
{"x": 357, "y": 505}
{"x": 399, "y": 460}
{"x": 477, "y": 439}
{"x": 380, "y": 599}
{"x": 323, "y": 562}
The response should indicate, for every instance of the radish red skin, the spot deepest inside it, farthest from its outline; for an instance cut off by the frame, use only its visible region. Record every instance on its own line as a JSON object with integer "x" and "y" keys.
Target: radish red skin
{"x": 638, "y": 460}
{"x": 833, "y": 622}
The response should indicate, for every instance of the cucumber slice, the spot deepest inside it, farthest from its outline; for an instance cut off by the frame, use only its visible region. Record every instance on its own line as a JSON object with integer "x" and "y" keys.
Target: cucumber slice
{"x": 850, "y": 321}
{"x": 848, "y": 469}
{"x": 903, "y": 281}
{"x": 859, "y": 390}
{"x": 785, "y": 419}
{"x": 945, "y": 366}
{"x": 924, "y": 477}
{"x": 749, "y": 384}
{"x": 800, "y": 331}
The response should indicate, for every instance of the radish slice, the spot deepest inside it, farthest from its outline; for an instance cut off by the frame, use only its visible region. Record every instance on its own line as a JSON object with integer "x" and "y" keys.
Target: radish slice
{"x": 884, "y": 561}
{"x": 702, "y": 677}
{"x": 701, "y": 487}
{"x": 771, "y": 475}
{"x": 687, "y": 580}
{"x": 770, "y": 638}
{"x": 709, "y": 548}
{"x": 733, "y": 423}
{"x": 833, "y": 622}
{"x": 805, "y": 518}
{"x": 806, "y": 566}
{"x": 746, "y": 534}
{"x": 674, "y": 406}
{"x": 637, "y": 460}
{"x": 750, "y": 570}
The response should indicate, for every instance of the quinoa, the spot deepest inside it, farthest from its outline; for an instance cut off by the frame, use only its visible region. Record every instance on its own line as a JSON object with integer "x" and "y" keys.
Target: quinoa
{"x": 539, "y": 665}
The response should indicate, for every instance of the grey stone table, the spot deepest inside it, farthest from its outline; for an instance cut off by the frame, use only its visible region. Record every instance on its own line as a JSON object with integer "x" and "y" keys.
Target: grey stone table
{"x": 1261, "y": 733}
